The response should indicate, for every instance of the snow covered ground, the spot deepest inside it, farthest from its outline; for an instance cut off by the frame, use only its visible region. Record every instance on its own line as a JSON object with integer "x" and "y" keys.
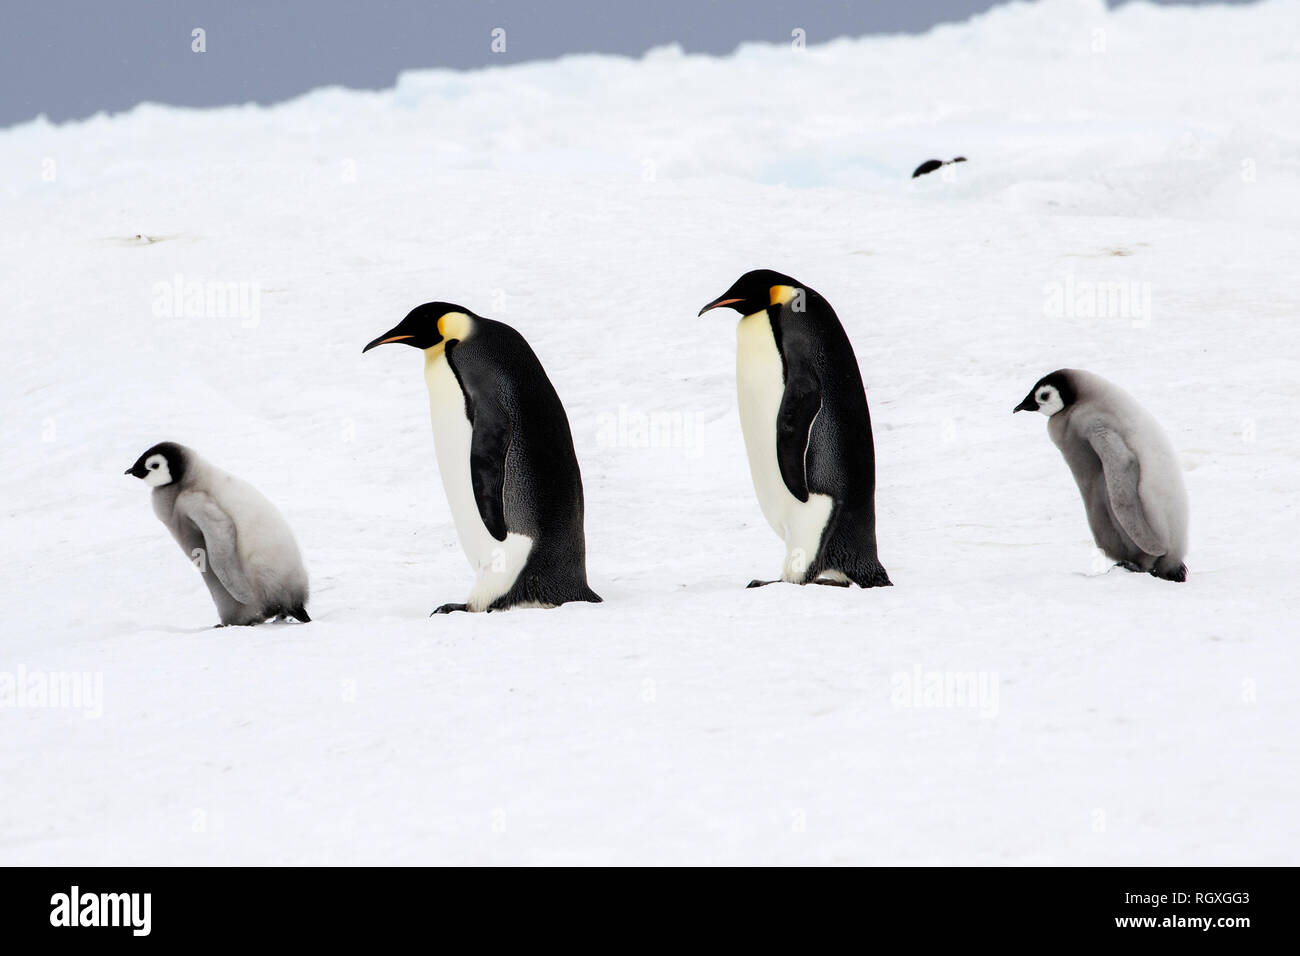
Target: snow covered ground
{"x": 596, "y": 203}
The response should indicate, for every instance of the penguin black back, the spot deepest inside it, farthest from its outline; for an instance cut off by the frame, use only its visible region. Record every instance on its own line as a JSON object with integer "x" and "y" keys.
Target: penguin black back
{"x": 541, "y": 439}
{"x": 841, "y": 459}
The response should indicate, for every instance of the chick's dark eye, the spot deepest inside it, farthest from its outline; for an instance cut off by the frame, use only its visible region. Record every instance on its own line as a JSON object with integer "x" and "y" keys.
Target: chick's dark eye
{"x": 154, "y": 465}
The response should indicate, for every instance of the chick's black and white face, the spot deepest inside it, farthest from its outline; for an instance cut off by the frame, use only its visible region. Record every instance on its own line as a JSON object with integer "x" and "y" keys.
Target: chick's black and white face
{"x": 1048, "y": 399}
{"x": 1050, "y": 395}
{"x": 157, "y": 473}
{"x": 160, "y": 465}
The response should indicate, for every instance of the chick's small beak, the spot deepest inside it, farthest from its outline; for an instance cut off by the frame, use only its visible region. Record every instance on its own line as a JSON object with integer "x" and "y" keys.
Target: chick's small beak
{"x": 1028, "y": 405}
{"x": 717, "y": 304}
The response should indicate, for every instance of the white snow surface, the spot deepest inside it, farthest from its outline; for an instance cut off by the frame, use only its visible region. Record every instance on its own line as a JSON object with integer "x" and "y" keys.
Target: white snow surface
{"x": 596, "y": 203}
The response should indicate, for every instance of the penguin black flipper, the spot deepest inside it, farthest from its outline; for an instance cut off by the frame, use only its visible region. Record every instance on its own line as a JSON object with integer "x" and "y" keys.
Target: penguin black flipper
{"x": 487, "y": 456}
{"x": 1120, "y": 468}
{"x": 799, "y": 407}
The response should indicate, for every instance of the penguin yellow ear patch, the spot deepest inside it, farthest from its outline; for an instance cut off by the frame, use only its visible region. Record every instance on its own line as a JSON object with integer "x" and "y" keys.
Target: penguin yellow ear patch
{"x": 454, "y": 325}
{"x": 782, "y": 294}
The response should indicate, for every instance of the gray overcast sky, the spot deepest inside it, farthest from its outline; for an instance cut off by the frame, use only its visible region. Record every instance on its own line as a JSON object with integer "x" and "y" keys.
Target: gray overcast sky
{"x": 71, "y": 59}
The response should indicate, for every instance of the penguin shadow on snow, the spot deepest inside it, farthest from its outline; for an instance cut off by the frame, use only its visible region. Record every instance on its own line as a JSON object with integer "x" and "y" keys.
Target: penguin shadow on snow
{"x": 208, "y": 628}
{"x": 141, "y": 239}
{"x": 170, "y": 629}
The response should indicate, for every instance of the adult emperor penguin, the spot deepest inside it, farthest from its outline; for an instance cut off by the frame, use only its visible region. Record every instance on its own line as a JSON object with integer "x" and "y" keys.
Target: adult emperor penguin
{"x": 506, "y": 456}
{"x": 248, "y": 556}
{"x": 1125, "y": 468}
{"x": 803, "y": 410}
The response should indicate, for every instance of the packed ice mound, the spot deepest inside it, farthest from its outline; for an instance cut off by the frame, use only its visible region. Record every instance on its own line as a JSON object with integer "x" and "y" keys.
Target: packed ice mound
{"x": 1061, "y": 105}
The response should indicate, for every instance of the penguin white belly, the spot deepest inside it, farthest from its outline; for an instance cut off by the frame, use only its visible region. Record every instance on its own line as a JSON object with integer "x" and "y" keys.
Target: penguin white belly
{"x": 496, "y": 563}
{"x": 760, "y": 386}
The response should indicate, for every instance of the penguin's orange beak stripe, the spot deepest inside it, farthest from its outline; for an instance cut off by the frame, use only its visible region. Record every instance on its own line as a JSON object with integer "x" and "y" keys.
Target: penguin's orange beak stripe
{"x": 717, "y": 305}
{"x": 395, "y": 338}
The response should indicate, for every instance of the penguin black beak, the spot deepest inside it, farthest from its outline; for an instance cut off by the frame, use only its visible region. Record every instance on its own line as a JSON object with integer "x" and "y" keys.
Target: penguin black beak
{"x": 390, "y": 336}
{"x": 717, "y": 304}
{"x": 385, "y": 339}
{"x": 1028, "y": 405}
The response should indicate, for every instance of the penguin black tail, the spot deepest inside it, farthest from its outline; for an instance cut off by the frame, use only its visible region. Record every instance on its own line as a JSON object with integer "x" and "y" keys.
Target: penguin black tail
{"x": 571, "y": 594}
{"x": 849, "y": 547}
{"x": 873, "y": 577}
{"x": 546, "y": 590}
{"x": 299, "y": 613}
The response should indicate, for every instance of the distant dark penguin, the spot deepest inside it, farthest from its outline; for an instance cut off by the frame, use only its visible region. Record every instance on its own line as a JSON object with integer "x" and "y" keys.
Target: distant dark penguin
{"x": 1125, "y": 468}
{"x": 803, "y": 411}
{"x": 248, "y": 556}
{"x": 506, "y": 457}
{"x": 930, "y": 165}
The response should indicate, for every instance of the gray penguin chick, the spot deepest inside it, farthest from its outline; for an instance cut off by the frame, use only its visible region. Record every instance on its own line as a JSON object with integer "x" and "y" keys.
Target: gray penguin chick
{"x": 243, "y": 546}
{"x": 1126, "y": 470}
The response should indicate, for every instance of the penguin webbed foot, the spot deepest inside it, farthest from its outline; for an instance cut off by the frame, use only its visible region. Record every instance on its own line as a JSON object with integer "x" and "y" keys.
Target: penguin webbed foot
{"x": 1129, "y": 566}
{"x": 449, "y": 608}
{"x": 828, "y": 582}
